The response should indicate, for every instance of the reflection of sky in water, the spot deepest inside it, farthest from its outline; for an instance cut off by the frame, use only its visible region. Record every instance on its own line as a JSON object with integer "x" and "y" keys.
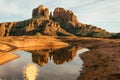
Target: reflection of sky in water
{"x": 14, "y": 69}
{"x": 51, "y": 71}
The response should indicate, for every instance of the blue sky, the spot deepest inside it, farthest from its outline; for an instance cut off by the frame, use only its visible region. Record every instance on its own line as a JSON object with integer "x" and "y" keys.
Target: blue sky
{"x": 102, "y": 13}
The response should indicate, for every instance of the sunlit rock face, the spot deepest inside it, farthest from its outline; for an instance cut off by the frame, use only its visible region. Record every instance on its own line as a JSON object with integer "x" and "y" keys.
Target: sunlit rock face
{"x": 40, "y": 11}
{"x": 60, "y": 22}
{"x": 65, "y": 18}
{"x": 5, "y": 28}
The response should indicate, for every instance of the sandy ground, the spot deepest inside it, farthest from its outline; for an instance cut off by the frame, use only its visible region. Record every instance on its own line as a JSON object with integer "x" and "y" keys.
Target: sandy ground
{"x": 102, "y": 62}
{"x": 10, "y": 44}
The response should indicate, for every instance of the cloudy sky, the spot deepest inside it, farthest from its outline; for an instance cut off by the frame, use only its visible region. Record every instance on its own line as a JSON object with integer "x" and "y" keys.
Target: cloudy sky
{"x": 102, "y": 13}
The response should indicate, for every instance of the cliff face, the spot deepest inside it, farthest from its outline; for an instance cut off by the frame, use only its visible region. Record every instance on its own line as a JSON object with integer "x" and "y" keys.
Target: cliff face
{"x": 40, "y": 11}
{"x": 67, "y": 19}
{"x": 59, "y": 23}
{"x": 5, "y": 28}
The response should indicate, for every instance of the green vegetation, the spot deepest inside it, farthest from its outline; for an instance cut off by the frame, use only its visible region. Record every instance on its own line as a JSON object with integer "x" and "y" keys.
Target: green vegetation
{"x": 100, "y": 34}
{"x": 116, "y": 36}
{"x": 38, "y": 34}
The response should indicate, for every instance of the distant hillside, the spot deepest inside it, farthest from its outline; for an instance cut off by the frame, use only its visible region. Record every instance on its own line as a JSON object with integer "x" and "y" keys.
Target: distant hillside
{"x": 60, "y": 22}
{"x": 116, "y": 36}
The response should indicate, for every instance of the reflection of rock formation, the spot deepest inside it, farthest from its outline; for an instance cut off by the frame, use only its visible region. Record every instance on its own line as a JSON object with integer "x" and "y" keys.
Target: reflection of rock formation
{"x": 59, "y": 56}
{"x": 64, "y": 54}
{"x": 40, "y": 57}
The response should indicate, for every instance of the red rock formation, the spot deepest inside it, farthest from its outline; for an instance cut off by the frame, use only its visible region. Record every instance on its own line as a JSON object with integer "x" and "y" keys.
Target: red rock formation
{"x": 62, "y": 22}
{"x": 65, "y": 18}
{"x": 5, "y": 28}
{"x": 41, "y": 11}
{"x": 2, "y": 29}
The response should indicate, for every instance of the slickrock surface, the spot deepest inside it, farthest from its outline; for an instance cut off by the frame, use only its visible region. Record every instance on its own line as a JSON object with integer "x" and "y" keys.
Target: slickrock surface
{"x": 11, "y": 44}
{"x": 102, "y": 62}
{"x": 6, "y": 57}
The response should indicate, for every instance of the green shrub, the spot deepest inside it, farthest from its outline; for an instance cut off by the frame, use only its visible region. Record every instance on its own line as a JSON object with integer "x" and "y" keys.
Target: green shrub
{"x": 100, "y": 34}
{"x": 38, "y": 34}
{"x": 116, "y": 36}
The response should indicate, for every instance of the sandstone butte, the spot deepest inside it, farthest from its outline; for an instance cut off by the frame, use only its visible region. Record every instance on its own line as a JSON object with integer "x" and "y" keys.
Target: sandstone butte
{"x": 60, "y": 22}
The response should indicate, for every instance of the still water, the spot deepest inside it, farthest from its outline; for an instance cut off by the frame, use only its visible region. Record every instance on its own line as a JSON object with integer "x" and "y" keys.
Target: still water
{"x": 53, "y": 64}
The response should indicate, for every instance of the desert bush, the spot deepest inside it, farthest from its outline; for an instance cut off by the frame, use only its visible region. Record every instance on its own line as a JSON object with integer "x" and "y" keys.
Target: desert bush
{"x": 99, "y": 34}
{"x": 116, "y": 36}
{"x": 38, "y": 34}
